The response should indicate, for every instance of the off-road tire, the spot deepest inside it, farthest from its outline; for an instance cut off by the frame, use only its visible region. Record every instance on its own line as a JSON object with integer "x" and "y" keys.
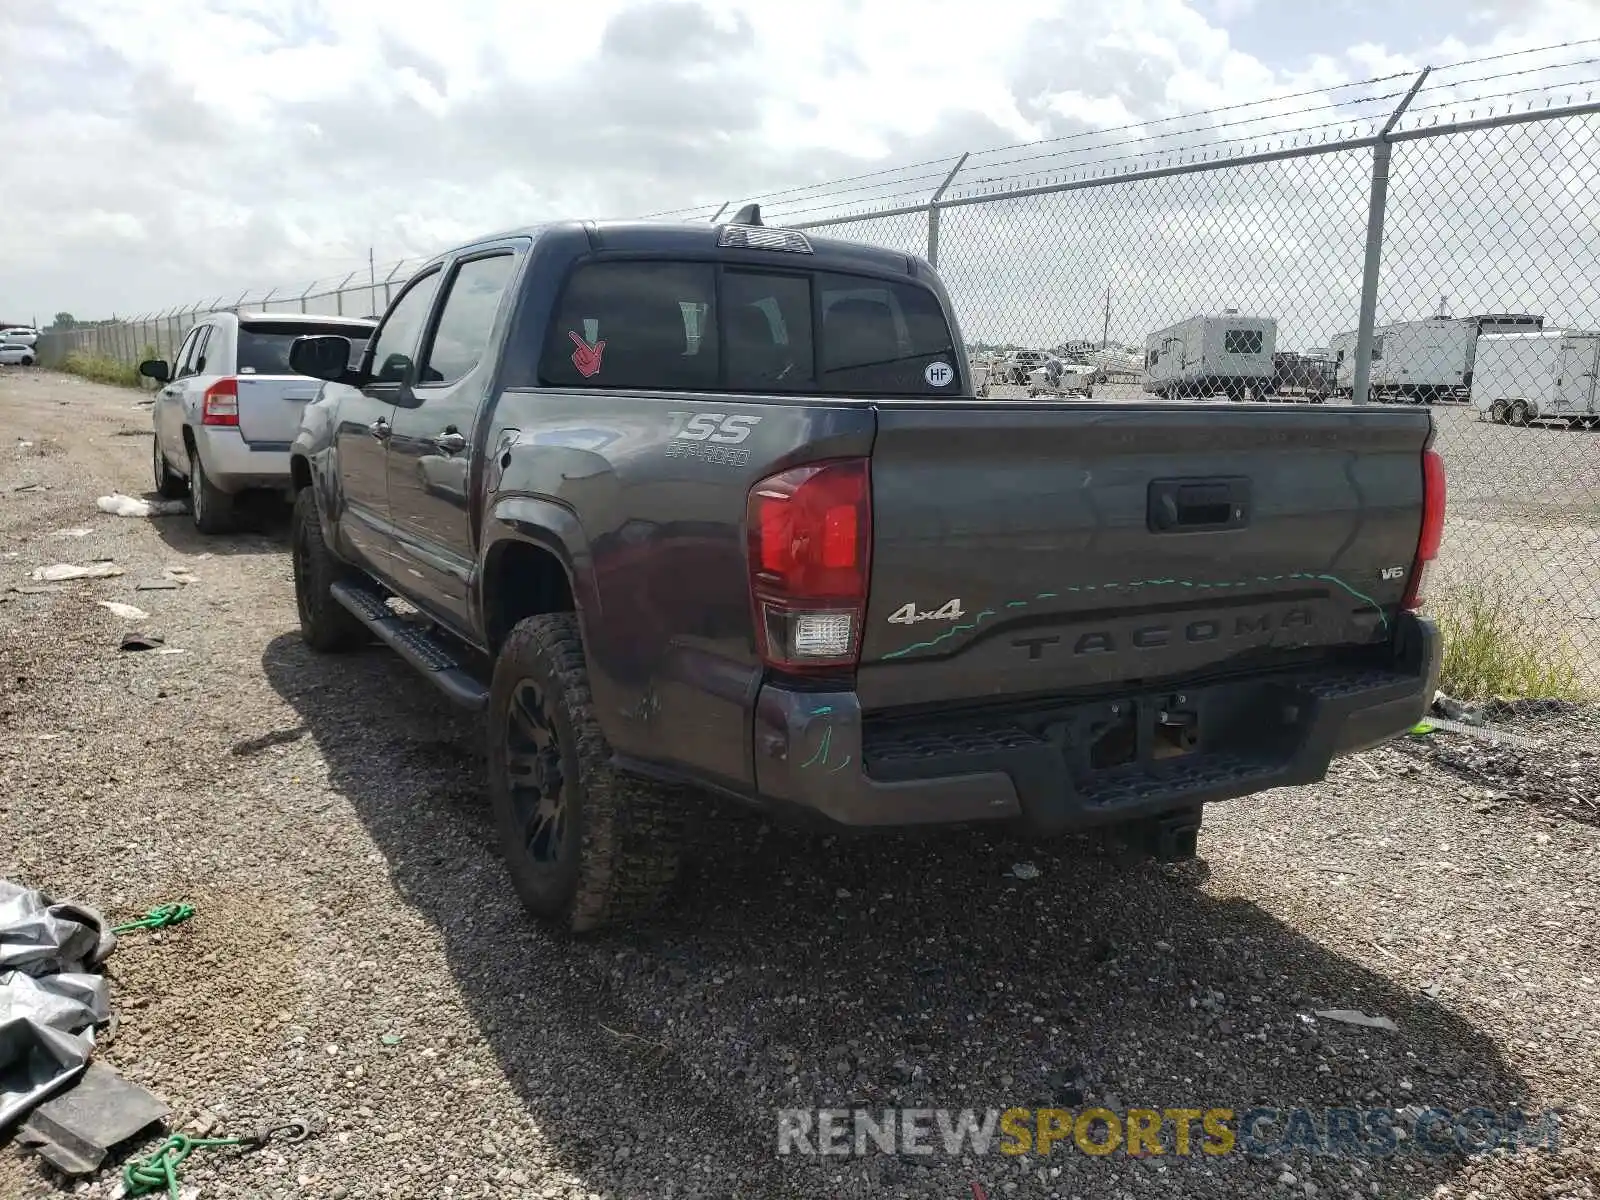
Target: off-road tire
{"x": 211, "y": 508}
{"x": 169, "y": 484}
{"x": 326, "y": 625}
{"x": 622, "y": 842}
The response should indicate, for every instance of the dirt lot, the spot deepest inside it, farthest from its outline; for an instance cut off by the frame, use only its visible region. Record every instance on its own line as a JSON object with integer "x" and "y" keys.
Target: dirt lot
{"x": 358, "y": 952}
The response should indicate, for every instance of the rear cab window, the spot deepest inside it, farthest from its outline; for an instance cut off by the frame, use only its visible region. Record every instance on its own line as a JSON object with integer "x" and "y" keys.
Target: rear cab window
{"x": 701, "y": 326}
{"x": 264, "y": 345}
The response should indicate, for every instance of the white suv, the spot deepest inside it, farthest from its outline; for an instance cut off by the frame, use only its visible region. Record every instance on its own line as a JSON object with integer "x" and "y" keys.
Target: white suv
{"x": 228, "y": 409}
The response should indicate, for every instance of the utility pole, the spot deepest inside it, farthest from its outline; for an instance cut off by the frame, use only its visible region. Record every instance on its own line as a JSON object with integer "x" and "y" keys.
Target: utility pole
{"x": 1105, "y": 328}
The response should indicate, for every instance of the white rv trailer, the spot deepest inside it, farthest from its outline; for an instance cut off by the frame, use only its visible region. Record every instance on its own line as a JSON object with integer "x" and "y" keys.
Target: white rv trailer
{"x": 1421, "y": 362}
{"x": 1544, "y": 376}
{"x": 1228, "y": 354}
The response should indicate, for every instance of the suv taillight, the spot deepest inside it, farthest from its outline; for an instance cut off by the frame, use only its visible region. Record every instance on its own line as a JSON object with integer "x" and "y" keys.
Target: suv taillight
{"x": 220, "y": 405}
{"x": 810, "y": 545}
{"x": 1433, "y": 490}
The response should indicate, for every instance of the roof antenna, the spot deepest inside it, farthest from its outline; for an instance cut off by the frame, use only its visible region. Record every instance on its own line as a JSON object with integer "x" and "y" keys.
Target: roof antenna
{"x": 750, "y": 214}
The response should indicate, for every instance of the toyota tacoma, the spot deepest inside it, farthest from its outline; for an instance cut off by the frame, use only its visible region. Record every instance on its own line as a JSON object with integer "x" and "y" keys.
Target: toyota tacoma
{"x": 713, "y": 507}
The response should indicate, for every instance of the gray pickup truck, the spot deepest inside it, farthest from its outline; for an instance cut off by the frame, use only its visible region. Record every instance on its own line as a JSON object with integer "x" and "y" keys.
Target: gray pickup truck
{"x": 712, "y": 506}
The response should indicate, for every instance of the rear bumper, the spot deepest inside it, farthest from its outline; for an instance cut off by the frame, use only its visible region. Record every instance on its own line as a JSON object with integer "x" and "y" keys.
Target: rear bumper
{"x": 1037, "y": 765}
{"x": 233, "y": 464}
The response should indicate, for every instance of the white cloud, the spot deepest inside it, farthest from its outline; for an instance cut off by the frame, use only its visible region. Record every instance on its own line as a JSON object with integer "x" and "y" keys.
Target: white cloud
{"x": 160, "y": 154}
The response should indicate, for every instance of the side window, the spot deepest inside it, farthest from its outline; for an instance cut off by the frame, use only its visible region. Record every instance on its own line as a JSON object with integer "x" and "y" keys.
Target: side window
{"x": 194, "y": 358}
{"x": 203, "y": 348}
{"x": 766, "y": 332}
{"x": 466, "y": 320}
{"x": 180, "y": 360}
{"x": 634, "y": 325}
{"x": 884, "y": 338}
{"x": 1377, "y": 348}
{"x": 1242, "y": 341}
{"x": 397, "y": 340}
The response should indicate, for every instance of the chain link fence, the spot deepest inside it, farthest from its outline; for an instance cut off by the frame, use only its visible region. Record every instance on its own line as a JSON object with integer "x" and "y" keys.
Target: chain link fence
{"x": 1401, "y": 240}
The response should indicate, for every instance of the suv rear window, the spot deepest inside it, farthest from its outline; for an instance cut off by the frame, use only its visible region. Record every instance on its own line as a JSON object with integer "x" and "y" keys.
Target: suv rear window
{"x": 264, "y": 349}
{"x": 682, "y": 326}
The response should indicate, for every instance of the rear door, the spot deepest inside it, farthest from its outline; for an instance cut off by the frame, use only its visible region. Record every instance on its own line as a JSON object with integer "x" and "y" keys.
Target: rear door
{"x": 188, "y": 386}
{"x": 168, "y": 413}
{"x": 366, "y": 423}
{"x": 1575, "y": 376}
{"x": 431, "y": 449}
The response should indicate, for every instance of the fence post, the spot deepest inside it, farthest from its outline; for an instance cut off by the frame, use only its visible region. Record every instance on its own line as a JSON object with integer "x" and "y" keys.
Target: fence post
{"x": 305, "y": 294}
{"x": 720, "y": 211}
{"x": 933, "y": 210}
{"x": 338, "y": 293}
{"x": 388, "y": 290}
{"x": 1377, "y": 203}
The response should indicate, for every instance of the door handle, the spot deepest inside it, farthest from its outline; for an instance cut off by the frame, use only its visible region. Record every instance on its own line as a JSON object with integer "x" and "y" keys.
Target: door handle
{"x": 450, "y": 442}
{"x": 379, "y": 429}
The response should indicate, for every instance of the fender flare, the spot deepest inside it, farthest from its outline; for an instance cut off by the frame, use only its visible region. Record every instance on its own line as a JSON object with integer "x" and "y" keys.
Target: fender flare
{"x": 552, "y": 527}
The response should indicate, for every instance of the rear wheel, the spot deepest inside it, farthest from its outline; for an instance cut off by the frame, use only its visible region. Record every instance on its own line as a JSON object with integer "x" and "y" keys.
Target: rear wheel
{"x": 1519, "y": 413}
{"x": 169, "y": 484}
{"x": 1497, "y": 412}
{"x": 325, "y": 624}
{"x": 212, "y": 509}
{"x": 585, "y": 844}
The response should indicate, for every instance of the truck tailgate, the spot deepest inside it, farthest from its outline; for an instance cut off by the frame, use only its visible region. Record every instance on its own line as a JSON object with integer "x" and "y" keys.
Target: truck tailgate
{"x": 270, "y": 406}
{"x": 1028, "y": 549}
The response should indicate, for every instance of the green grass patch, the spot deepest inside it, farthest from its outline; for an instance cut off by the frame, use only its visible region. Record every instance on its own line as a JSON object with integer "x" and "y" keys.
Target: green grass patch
{"x": 1490, "y": 650}
{"x": 102, "y": 369}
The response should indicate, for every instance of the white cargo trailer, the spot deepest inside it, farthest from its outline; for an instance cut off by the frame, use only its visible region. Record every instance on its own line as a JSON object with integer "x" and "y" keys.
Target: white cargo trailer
{"x": 1228, "y": 355}
{"x": 1422, "y": 362}
{"x": 1417, "y": 361}
{"x": 1546, "y": 376}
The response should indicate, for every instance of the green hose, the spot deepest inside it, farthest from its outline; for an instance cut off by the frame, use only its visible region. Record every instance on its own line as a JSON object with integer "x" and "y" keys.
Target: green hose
{"x": 158, "y": 917}
{"x": 142, "y": 1176}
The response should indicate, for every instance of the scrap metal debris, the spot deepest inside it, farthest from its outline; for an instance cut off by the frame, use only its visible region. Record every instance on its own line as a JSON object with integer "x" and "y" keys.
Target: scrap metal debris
{"x": 74, "y": 1132}
{"x": 142, "y": 641}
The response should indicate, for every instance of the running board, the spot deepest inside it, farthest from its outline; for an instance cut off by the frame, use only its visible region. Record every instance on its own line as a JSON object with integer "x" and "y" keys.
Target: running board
{"x": 414, "y": 644}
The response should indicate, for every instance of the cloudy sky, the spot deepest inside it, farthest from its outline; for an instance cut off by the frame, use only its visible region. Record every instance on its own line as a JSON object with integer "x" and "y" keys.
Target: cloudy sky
{"x": 163, "y": 152}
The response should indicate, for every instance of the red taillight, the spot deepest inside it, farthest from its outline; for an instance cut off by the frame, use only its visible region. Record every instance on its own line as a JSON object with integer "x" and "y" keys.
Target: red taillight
{"x": 810, "y": 531}
{"x": 220, "y": 405}
{"x": 1433, "y": 492}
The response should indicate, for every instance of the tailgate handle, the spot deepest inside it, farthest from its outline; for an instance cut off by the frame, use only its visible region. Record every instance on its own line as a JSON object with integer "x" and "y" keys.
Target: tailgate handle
{"x": 1191, "y": 505}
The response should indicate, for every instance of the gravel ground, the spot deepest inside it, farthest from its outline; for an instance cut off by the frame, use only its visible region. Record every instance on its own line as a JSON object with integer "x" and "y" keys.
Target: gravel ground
{"x": 358, "y": 952}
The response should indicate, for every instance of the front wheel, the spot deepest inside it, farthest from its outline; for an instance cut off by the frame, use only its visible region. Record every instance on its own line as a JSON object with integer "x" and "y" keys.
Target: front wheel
{"x": 211, "y": 508}
{"x": 325, "y": 624}
{"x": 1497, "y": 412}
{"x": 1519, "y": 413}
{"x": 585, "y": 844}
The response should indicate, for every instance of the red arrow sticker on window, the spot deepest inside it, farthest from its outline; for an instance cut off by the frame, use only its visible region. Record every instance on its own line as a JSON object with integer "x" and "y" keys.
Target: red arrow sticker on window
{"x": 586, "y": 357}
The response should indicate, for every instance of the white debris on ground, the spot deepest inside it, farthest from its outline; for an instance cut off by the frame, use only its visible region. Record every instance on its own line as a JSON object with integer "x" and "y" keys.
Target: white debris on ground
{"x": 126, "y": 611}
{"x": 119, "y": 505}
{"x": 61, "y": 572}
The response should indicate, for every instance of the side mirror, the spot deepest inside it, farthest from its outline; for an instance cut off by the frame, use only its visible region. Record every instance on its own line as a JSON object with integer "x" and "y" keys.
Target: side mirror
{"x": 321, "y": 356}
{"x": 155, "y": 368}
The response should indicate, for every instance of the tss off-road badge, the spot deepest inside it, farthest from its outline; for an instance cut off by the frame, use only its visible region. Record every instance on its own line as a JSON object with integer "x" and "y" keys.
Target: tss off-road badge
{"x": 711, "y": 436}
